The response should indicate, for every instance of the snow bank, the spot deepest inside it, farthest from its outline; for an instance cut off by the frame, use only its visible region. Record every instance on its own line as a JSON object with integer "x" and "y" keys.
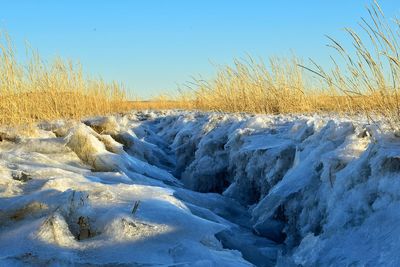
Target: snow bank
{"x": 104, "y": 154}
{"x": 319, "y": 185}
{"x": 72, "y": 204}
{"x": 284, "y": 190}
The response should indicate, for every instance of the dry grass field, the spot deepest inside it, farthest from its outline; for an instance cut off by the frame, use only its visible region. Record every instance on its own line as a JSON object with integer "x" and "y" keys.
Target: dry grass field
{"x": 367, "y": 82}
{"x": 35, "y": 90}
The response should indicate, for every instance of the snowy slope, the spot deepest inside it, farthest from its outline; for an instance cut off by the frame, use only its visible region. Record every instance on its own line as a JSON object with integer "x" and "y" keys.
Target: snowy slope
{"x": 325, "y": 187}
{"x": 200, "y": 189}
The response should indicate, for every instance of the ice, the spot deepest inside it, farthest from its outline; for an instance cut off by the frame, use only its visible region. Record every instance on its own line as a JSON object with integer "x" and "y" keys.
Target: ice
{"x": 103, "y": 153}
{"x": 304, "y": 176}
{"x": 210, "y": 189}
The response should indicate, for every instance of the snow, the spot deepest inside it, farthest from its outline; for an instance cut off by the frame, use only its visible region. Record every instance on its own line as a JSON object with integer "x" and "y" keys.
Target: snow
{"x": 210, "y": 189}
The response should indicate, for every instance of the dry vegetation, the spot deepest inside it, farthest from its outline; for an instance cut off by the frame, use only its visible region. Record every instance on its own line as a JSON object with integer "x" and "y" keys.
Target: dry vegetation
{"x": 38, "y": 91}
{"x": 182, "y": 100}
{"x": 253, "y": 86}
{"x": 370, "y": 75}
{"x": 364, "y": 79}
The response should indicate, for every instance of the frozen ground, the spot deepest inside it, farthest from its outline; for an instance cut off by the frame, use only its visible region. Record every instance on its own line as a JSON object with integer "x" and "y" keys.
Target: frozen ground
{"x": 200, "y": 189}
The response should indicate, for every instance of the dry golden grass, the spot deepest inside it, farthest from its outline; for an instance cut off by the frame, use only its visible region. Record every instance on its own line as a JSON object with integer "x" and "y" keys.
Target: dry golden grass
{"x": 249, "y": 86}
{"x": 365, "y": 81}
{"x": 170, "y": 103}
{"x": 38, "y": 91}
{"x": 180, "y": 101}
{"x": 370, "y": 75}
{"x": 254, "y": 87}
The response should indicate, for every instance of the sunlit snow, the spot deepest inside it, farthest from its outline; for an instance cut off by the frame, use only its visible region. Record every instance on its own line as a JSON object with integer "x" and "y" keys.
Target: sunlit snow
{"x": 200, "y": 189}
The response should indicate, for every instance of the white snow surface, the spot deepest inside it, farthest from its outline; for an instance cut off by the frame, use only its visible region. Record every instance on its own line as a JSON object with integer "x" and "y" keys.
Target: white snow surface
{"x": 210, "y": 189}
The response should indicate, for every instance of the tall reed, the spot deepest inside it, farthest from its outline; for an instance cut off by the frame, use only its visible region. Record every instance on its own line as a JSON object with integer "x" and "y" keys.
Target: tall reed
{"x": 253, "y": 86}
{"x": 34, "y": 90}
{"x": 368, "y": 73}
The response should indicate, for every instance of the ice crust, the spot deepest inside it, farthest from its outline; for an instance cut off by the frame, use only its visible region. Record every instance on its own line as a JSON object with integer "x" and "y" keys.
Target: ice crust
{"x": 214, "y": 189}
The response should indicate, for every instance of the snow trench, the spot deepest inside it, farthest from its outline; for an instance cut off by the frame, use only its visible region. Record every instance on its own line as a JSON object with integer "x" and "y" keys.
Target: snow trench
{"x": 200, "y": 189}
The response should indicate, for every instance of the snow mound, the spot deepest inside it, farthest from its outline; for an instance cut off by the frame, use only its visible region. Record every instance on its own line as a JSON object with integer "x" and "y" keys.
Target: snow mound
{"x": 200, "y": 189}
{"x": 84, "y": 199}
{"x": 318, "y": 185}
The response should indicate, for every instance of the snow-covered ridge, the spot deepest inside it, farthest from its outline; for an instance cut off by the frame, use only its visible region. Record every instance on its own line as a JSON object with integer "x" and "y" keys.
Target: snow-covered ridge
{"x": 326, "y": 187}
{"x": 285, "y": 190}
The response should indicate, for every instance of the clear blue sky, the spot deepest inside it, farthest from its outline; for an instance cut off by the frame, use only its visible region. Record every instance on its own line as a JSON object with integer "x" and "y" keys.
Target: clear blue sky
{"x": 153, "y": 45}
